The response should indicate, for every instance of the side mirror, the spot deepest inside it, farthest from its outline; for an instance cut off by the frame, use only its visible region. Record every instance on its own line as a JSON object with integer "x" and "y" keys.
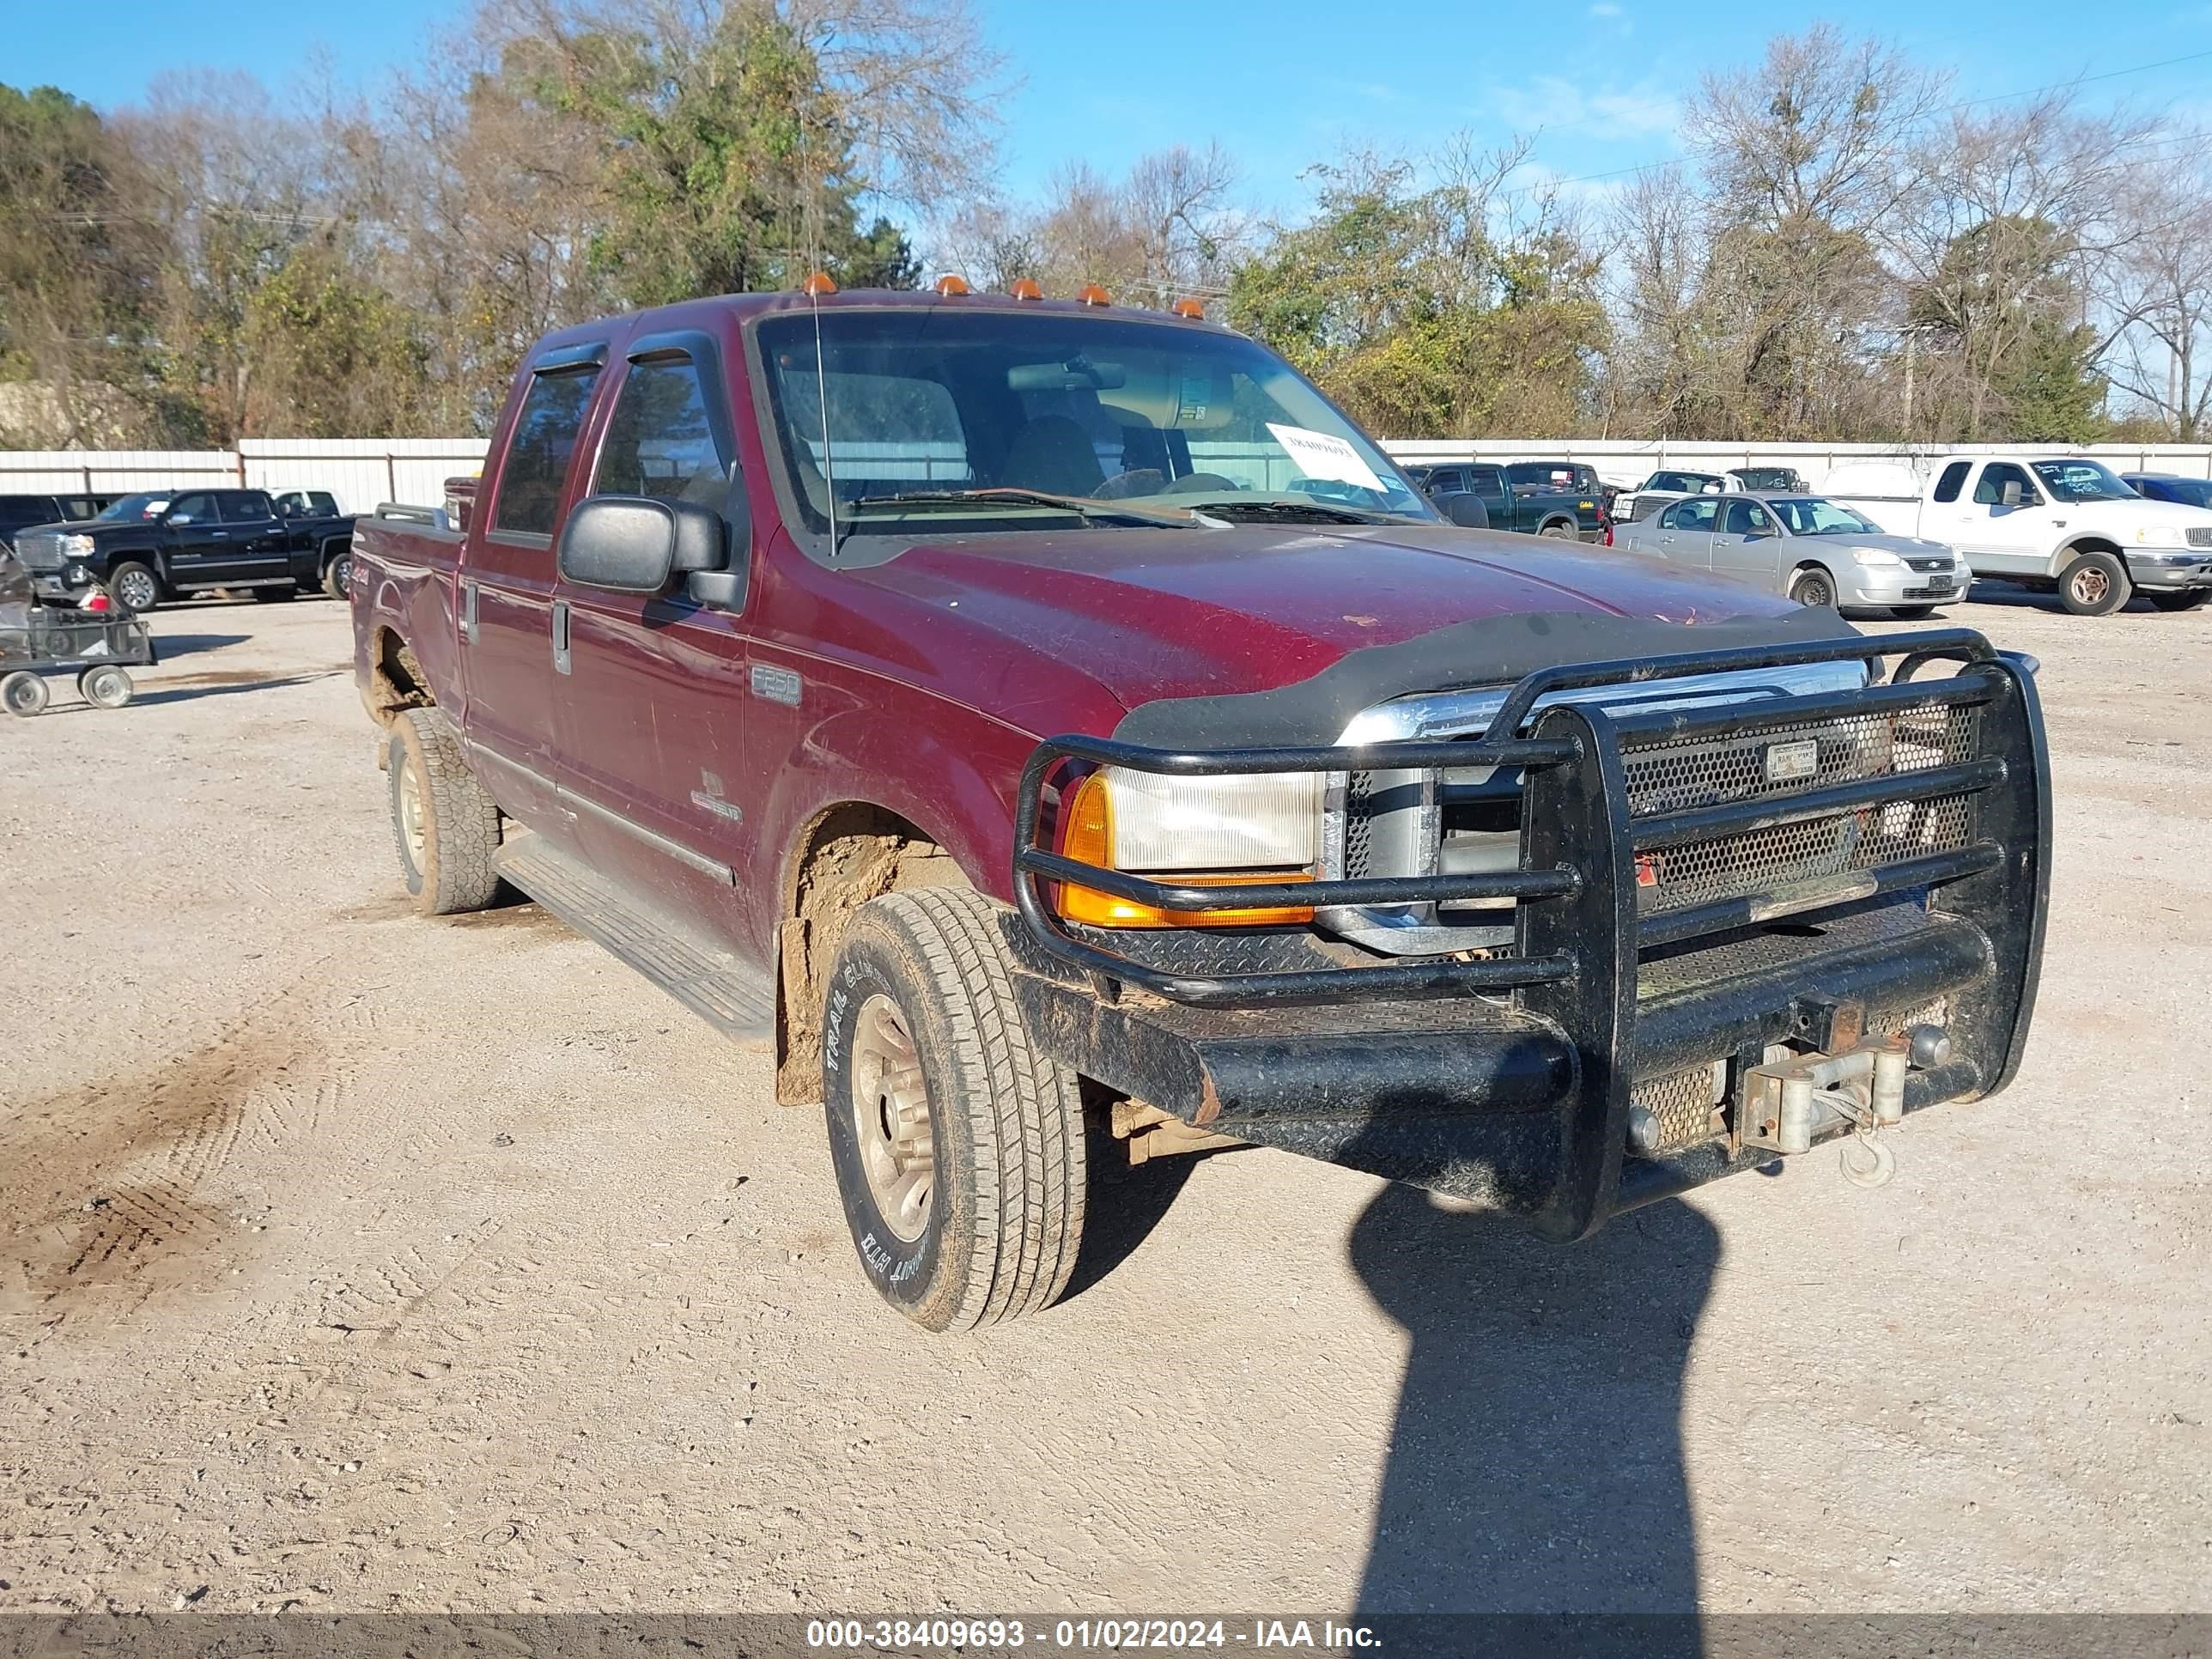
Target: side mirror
{"x": 634, "y": 545}
{"x": 2011, "y": 493}
{"x": 1465, "y": 510}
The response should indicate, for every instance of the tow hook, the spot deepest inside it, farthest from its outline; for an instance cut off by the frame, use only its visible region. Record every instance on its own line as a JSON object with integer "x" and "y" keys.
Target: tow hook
{"x": 1795, "y": 1099}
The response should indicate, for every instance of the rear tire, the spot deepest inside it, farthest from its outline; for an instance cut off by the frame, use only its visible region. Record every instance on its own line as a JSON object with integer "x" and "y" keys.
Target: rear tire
{"x": 1814, "y": 585}
{"x": 446, "y": 826}
{"x": 134, "y": 586}
{"x": 272, "y": 595}
{"x": 23, "y": 693}
{"x": 958, "y": 1147}
{"x": 1559, "y": 532}
{"x": 337, "y": 577}
{"x": 106, "y": 687}
{"x": 2188, "y": 601}
{"x": 2094, "y": 585}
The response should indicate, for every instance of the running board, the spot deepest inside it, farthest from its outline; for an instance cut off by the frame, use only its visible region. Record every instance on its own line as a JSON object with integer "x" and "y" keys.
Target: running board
{"x": 731, "y": 995}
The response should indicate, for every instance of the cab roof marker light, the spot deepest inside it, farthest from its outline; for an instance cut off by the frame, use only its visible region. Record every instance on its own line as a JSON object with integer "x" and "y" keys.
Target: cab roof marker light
{"x": 1092, "y": 295}
{"x": 1026, "y": 288}
{"x": 818, "y": 285}
{"x": 952, "y": 287}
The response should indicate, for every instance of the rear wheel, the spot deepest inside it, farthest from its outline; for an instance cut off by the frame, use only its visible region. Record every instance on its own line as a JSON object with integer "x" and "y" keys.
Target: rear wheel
{"x": 958, "y": 1147}
{"x": 106, "y": 686}
{"x": 1559, "y": 532}
{"x": 134, "y": 586}
{"x": 447, "y": 827}
{"x": 2094, "y": 585}
{"x": 2188, "y": 601}
{"x": 338, "y": 576}
{"x": 23, "y": 693}
{"x": 1813, "y": 586}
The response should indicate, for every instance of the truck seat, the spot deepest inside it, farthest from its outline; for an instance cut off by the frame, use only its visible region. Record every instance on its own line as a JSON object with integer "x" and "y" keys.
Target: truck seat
{"x": 1053, "y": 453}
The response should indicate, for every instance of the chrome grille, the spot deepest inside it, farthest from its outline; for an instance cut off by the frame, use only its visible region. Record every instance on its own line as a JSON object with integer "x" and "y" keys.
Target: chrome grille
{"x": 1943, "y": 563}
{"x": 2200, "y": 536}
{"x": 41, "y": 551}
{"x": 1666, "y": 777}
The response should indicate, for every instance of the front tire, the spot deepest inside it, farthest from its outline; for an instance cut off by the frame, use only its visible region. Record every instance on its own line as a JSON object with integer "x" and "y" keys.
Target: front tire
{"x": 338, "y": 576}
{"x": 23, "y": 693}
{"x": 446, "y": 826}
{"x": 2185, "y": 601}
{"x": 134, "y": 586}
{"x": 1913, "y": 612}
{"x": 958, "y": 1147}
{"x": 2094, "y": 585}
{"x": 1814, "y": 585}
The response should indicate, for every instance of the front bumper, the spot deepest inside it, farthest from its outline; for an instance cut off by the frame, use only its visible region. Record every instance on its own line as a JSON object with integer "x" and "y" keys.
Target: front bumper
{"x": 1867, "y": 585}
{"x": 1515, "y": 1079}
{"x": 2176, "y": 570}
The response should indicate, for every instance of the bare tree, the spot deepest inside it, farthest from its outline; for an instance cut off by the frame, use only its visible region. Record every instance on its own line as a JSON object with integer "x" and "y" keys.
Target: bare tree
{"x": 2158, "y": 291}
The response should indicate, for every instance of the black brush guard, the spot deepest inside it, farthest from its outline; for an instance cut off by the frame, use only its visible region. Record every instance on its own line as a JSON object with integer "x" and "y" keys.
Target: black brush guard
{"x": 1507, "y": 1079}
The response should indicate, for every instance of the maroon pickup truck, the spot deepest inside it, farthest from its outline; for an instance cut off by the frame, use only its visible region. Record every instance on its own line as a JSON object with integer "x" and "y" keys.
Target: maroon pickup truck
{"x": 1054, "y": 724}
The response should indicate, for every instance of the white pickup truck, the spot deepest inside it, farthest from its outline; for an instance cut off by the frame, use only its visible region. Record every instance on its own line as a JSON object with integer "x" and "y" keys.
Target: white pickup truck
{"x": 2065, "y": 522}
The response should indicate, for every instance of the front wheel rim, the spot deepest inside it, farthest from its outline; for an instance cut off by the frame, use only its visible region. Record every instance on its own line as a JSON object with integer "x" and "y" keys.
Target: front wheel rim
{"x": 135, "y": 590}
{"x": 891, "y": 1124}
{"x": 412, "y": 828}
{"x": 2091, "y": 587}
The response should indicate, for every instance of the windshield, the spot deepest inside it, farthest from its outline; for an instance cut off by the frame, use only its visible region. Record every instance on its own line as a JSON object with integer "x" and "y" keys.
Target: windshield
{"x": 1769, "y": 478}
{"x": 1809, "y": 515}
{"x": 138, "y": 507}
{"x": 2082, "y": 481}
{"x": 1118, "y": 420}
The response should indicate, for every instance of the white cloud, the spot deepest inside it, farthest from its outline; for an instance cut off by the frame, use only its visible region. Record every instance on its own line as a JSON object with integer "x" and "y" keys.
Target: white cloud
{"x": 1554, "y": 104}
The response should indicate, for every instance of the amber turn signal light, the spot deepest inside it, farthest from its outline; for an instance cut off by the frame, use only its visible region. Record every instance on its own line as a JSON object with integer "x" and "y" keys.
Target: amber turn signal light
{"x": 952, "y": 287}
{"x": 1092, "y": 295}
{"x": 1088, "y": 838}
{"x": 1026, "y": 288}
{"x": 818, "y": 285}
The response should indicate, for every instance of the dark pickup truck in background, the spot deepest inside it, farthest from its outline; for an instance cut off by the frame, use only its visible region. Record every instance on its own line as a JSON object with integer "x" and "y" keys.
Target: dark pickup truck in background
{"x": 160, "y": 545}
{"x": 1560, "y": 499}
{"x": 21, "y": 513}
{"x": 978, "y": 698}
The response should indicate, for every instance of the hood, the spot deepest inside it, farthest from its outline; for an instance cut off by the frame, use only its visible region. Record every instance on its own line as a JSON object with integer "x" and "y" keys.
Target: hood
{"x": 1916, "y": 547}
{"x": 1176, "y": 613}
{"x": 2127, "y": 521}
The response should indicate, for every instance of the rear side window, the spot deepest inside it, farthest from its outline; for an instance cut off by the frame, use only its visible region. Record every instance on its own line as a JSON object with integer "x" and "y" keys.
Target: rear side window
{"x": 660, "y": 440}
{"x": 1953, "y": 481}
{"x": 243, "y": 505}
{"x": 1697, "y": 514}
{"x": 538, "y": 454}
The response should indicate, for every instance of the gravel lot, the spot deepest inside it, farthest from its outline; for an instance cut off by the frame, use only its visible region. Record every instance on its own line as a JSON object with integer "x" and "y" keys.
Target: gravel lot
{"x": 358, "y": 1261}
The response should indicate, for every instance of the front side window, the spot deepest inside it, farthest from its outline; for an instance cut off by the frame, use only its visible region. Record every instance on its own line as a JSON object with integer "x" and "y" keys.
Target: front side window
{"x": 197, "y": 508}
{"x": 1989, "y": 492}
{"x": 1444, "y": 480}
{"x": 538, "y": 454}
{"x": 1486, "y": 480}
{"x": 1748, "y": 519}
{"x": 660, "y": 440}
{"x": 1697, "y": 514}
{"x": 1128, "y": 423}
{"x": 246, "y": 505}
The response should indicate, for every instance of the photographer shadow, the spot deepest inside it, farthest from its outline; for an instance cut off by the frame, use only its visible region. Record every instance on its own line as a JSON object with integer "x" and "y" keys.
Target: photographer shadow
{"x": 1535, "y": 1465}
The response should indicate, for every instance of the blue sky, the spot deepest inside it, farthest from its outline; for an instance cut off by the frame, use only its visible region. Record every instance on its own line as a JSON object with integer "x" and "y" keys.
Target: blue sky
{"x": 1280, "y": 85}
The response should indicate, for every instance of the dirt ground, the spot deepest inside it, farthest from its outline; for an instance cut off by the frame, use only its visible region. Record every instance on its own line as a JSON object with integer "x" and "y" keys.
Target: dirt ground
{"x": 357, "y": 1262}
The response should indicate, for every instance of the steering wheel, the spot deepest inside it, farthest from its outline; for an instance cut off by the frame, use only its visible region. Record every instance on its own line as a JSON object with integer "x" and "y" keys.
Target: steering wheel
{"x": 1192, "y": 482}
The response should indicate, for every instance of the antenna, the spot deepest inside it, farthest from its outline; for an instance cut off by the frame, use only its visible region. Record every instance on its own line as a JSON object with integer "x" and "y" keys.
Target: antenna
{"x": 822, "y": 402}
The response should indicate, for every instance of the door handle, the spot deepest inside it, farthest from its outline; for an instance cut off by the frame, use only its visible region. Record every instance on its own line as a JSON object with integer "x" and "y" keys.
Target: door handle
{"x": 560, "y": 636}
{"x": 469, "y": 611}
{"x": 218, "y": 535}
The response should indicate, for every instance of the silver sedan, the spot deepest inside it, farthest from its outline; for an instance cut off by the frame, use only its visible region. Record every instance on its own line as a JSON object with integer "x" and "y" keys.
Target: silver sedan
{"x": 1817, "y": 551}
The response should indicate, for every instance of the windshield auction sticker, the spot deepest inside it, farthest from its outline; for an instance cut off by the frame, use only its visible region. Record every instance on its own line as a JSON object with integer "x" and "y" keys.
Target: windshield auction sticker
{"x": 1326, "y": 457}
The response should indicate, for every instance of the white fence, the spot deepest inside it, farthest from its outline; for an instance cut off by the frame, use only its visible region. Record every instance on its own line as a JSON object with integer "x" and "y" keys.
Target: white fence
{"x": 1631, "y": 461}
{"x": 362, "y": 471}
{"x": 359, "y": 471}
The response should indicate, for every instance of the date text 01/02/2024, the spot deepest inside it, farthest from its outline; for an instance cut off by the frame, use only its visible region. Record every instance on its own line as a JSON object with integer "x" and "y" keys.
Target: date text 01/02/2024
{"x": 1008, "y": 1635}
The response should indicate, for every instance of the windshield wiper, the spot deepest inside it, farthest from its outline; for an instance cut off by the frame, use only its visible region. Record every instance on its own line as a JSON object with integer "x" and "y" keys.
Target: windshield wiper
{"x": 1082, "y": 507}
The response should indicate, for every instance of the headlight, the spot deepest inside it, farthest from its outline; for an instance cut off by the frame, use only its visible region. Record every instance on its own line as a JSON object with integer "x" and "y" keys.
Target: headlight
{"x": 1208, "y": 831}
{"x": 1874, "y": 556}
{"x": 2160, "y": 535}
{"x": 78, "y": 544}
